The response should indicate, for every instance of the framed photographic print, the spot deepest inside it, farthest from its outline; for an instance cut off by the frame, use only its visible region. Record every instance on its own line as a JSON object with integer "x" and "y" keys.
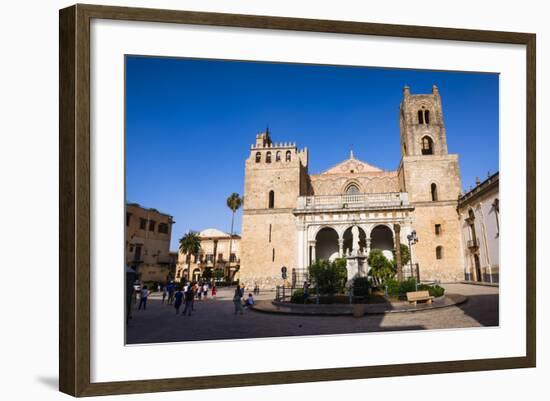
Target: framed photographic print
{"x": 344, "y": 199}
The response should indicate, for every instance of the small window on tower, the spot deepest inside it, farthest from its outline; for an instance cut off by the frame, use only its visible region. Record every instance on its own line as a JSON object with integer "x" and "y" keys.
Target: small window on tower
{"x": 427, "y": 116}
{"x": 278, "y": 156}
{"x": 438, "y": 229}
{"x": 420, "y": 117}
{"x": 268, "y": 157}
{"x": 258, "y": 157}
{"x": 427, "y": 146}
{"x": 271, "y": 199}
{"x": 434, "y": 192}
{"x": 439, "y": 252}
{"x": 287, "y": 156}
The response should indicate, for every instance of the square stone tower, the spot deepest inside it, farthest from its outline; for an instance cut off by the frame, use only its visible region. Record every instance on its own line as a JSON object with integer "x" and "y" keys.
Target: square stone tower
{"x": 431, "y": 177}
{"x": 275, "y": 176}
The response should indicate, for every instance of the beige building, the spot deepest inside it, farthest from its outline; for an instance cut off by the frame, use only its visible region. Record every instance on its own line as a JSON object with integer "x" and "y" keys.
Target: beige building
{"x": 479, "y": 213}
{"x": 292, "y": 217}
{"x": 214, "y": 255}
{"x": 148, "y": 234}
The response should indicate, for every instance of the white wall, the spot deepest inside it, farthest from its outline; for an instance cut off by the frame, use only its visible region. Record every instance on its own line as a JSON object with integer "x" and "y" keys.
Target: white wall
{"x": 28, "y": 165}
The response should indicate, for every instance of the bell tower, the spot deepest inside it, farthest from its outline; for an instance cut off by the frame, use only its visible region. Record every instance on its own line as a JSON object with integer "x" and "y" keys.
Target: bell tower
{"x": 421, "y": 124}
{"x": 431, "y": 178}
{"x": 275, "y": 176}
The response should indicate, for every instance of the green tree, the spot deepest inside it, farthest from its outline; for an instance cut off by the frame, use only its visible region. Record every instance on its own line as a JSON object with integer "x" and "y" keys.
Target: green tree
{"x": 207, "y": 274}
{"x": 329, "y": 277}
{"x": 405, "y": 256}
{"x": 234, "y": 202}
{"x": 381, "y": 268}
{"x": 190, "y": 244}
{"x": 218, "y": 274}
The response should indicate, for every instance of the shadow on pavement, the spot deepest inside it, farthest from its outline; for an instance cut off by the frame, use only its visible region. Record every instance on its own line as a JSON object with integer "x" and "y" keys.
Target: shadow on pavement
{"x": 483, "y": 308}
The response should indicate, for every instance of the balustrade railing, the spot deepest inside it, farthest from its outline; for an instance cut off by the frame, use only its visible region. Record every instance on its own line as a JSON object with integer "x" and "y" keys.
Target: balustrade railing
{"x": 353, "y": 201}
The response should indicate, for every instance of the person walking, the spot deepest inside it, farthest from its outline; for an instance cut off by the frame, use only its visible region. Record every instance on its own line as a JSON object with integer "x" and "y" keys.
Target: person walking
{"x": 199, "y": 291}
{"x": 178, "y": 299}
{"x": 143, "y": 298}
{"x": 214, "y": 291}
{"x": 164, "y": 294}
{"x": 205, "y": 290}
{"x": 171, "y": 290}
{"x": 306, "y": 291}
{"x": 237, "y": 300}
{"x": 189, "y": 296}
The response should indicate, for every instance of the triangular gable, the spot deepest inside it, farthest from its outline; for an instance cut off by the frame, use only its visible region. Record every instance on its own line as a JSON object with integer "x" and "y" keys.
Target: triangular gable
{"x": 352, "y": 165}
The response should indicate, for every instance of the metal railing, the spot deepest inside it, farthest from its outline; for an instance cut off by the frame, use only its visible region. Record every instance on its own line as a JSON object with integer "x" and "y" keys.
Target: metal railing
{"x": 355, "y": 201}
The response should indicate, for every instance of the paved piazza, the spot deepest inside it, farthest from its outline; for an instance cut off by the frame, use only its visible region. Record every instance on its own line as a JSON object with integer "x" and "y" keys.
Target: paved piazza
{"x": 214, "y": 319}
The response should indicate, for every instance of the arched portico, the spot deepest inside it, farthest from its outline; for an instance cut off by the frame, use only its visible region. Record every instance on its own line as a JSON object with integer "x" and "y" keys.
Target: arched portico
{"x": 348, "y": 240}
{"x": 381, "y": 237}
{"x": 326, "y": 244}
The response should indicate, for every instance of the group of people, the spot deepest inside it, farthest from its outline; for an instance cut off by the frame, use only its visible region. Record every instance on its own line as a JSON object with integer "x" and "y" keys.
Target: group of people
{"x": 178, "y": 295}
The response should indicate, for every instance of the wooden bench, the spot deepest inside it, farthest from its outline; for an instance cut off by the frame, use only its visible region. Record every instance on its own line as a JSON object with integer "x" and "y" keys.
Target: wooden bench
{"x": 416, "y": 296}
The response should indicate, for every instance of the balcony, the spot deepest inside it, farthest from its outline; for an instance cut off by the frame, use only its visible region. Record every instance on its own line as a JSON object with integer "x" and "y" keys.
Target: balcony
{"x": 390, "y": 200}
{"x": 473, "y": 244}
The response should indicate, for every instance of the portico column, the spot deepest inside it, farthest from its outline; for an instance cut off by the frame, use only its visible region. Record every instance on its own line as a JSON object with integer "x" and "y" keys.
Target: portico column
{"x": 313, "y": 257}
{"x": 341, "y": 247}
{"x": 367, "y": 252}
{"x": 397, "y": 241}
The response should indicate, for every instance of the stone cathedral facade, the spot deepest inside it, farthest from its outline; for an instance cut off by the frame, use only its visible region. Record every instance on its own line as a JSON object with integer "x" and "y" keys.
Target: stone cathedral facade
{"x": 291, "y": 218}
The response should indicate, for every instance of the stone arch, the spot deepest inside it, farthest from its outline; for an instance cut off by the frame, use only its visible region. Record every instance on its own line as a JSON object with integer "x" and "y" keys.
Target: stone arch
{"x": 427, "y": 145}
{"x": 347, "y": 237}
{"x": 382, "y": 237}
{"x": 326, "y": 243}
{"x": 352, "y": 183}
{"x": 196, "y": 274}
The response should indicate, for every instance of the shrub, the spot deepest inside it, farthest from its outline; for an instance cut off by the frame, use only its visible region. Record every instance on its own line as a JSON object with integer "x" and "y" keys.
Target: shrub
{"x": 329, "y": 277}
{"x": 297, "y": 297}
{"x": 361, "y": 286}
{"x": 434, "y": 290}
{"x": 397, "y": 288}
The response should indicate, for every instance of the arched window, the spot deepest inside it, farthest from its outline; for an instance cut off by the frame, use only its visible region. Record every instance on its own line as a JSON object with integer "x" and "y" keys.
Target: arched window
{"x": 427, "y": 146}
{"x": 268, "y": 157}
{"x": 423, "y": 116}
{"x": 271, "y": 199}
{"x": 439, "y": 252}
{"x": 278, "y": 156}
{"x": 352, "y": 190}
{"x": 434, "y": 192}
{"x": 420, "y": 117}
{"x": 258, "y": 157}
{"x": 287, "y": 156}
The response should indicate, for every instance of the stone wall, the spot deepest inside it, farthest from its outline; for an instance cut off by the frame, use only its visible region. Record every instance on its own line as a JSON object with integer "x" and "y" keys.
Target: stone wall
{"x": 261, "y": 256}
{"x": 449, "y": 267}
{"x": 331, "y": 184}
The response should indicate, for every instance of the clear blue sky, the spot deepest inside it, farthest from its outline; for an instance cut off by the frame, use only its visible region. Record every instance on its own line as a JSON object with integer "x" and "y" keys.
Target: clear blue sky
{"x": 190, "y": 124}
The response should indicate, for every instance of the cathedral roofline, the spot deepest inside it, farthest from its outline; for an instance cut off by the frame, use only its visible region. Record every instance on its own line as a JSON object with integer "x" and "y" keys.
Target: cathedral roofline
{"x": 351, "y": 166}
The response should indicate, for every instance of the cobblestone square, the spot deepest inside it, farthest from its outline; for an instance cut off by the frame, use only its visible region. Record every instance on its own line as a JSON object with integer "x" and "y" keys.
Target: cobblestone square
{"x": 213, "y": 319}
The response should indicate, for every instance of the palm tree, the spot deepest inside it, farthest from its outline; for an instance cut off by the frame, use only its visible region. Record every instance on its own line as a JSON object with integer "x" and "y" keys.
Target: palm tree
{"x": 234, "y": 202}
{"x": 190, "y": 244}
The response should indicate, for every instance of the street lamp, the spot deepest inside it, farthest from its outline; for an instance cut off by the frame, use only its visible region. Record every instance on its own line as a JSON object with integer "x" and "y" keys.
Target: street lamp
{"x": 413, "y": 239}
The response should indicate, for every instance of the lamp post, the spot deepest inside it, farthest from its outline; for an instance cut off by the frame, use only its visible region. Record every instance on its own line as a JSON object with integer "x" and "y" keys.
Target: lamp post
{"x": 413, "y": 239}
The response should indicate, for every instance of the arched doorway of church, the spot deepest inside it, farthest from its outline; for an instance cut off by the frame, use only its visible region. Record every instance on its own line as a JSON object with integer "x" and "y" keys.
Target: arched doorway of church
{"x": 381, "y": 237}
{"x": 348, "y": 240}
{"x": 196, "y": 274}
{"x": 326, "y": 244}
